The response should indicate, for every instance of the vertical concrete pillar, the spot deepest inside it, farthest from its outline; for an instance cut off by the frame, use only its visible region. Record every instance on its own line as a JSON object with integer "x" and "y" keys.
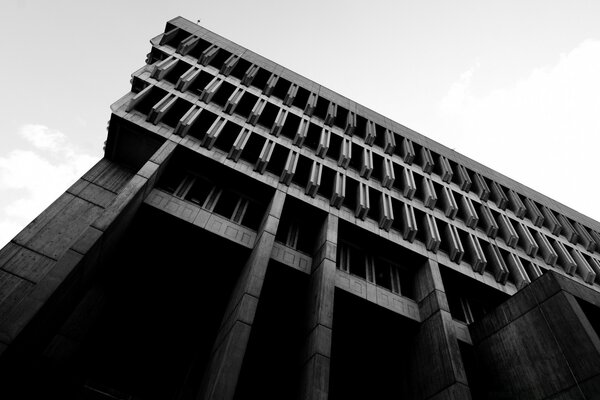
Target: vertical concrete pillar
{"x": 317, "y": 351}
{"x": 222, "y": 373}
{"x": 436, "y": 367}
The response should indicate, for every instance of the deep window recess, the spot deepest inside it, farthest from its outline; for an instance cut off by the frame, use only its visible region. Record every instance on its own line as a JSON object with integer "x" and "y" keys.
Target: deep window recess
{"x": 374, "y": 269}
{"x": 291, "y": 235}
{"x": 299, "y": 226}
{"x": 203, "y": 193}
{"x": 469, "y": 301}
{"x": 199, "y": 192}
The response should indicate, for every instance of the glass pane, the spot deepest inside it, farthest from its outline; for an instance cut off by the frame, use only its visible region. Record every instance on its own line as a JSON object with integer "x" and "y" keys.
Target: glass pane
{"x": 226, "y": 204}
{"x": 199, "y": 191}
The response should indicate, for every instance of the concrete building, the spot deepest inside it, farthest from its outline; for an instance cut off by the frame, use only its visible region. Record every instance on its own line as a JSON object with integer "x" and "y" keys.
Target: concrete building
{"x": 252, "y": 234}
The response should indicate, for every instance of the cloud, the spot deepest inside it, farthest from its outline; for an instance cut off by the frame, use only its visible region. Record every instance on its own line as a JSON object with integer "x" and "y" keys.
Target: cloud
{"x": 31, "y": 178}
{"x": 543, "y": 131}
{"x": 459, "y": 92}
{"x": 45, "y": 138}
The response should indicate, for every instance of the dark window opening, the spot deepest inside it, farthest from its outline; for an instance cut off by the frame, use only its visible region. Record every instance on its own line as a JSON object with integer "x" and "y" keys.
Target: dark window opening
{"x": 301, "y": 98}
{"x": 171, "y": 179}
{"x": 398, "y": 149}
{"x": 377, "y": 167}
{"x": 202, "y": 45}
{"x": 361, "y": 127}
{"x": 313, "y": 136}
{"x": 335, "y": 147}
{"x": 175, "y": 73}
{"x": 379, "y": 136}
{"x": 227, "y": 136}
{"x": 145, "y": 105}
{"x": 223, "y": 93}
{"x": 155, "y": 55}
{"x": 302, "y": 171}
{"x": 372, "y": 258}
{"x": 254, "y": 215}
{"x": 340, "y": 118}
{"x": 137, "y": 84}
{"x": 321, "y": 108}
{"x": 469, "y": 300}
{"x": 281, "y": 88}
{"x": 299, "y": 226}
{"x": 398, "y": 172}
{"x": 356, "y": 162}
{"x": 198, "y": 130}
{"x": 198, "y": 85}
{"x": 245, "y": 105}
{"x": 278, "y": 159}
{"x": 226, "y": 204}
{"x": 268, "y": 115}
{"x": 240, "y": 68}
{"x": 592, "y": 313}
{"x": 350, "y": 199}
{"x": 398, "y": 222}
{"x": 290, "y": 127}
{"x": 177, "y": 111}
{"x": 253, "y": 148}
{"x": 261, "y": 79}
{"x": 327, "y": 181}
{"x": 220, "y": 58}
{"x": 199, "y": 192}
{"x": 420, "y": 217}
{"x": 375, "y": 205}
{"x": 419, "y": 193}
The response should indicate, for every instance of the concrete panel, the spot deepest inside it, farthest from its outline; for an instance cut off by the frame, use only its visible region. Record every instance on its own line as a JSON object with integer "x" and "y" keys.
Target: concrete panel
{"x": 291, "y": 257}
{"x": 59, "y": 234}
{"x": 25, "y": 263}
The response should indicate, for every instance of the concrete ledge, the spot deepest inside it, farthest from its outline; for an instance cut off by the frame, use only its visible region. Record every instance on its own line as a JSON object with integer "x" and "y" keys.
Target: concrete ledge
{"x": 359, "y": 287}
{"x": 291, "y": 258}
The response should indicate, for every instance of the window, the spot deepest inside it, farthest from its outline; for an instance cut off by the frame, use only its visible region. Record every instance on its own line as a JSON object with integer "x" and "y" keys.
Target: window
{"x": 199, "y": 192}
{"x": 212, "y": 198}
{"x": 291, "y": 239}
{"x": 343, "y": 256}
{"x": 388, "y": 276}
{"x": 467, "y": 314}
{"x": 205, "y": 194}
{"x": 376, "y": 270}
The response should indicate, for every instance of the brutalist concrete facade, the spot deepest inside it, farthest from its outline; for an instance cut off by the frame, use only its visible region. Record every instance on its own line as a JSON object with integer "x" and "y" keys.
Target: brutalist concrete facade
{"x": 252, "y": 234}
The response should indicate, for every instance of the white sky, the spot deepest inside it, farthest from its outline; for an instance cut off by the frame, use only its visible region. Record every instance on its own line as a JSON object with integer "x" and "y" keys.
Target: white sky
{"x": 514, "y": 85}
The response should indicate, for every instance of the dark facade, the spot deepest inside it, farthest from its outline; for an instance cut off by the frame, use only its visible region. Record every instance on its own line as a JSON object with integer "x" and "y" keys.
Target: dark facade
{"x": 252, "y": 234}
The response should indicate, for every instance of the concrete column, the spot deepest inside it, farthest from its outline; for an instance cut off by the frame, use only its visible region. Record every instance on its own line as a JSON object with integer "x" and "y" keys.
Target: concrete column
{"x": 317, "y": 351}
{"x": 222, "y": 373}
{"x": 436, "y": 367}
